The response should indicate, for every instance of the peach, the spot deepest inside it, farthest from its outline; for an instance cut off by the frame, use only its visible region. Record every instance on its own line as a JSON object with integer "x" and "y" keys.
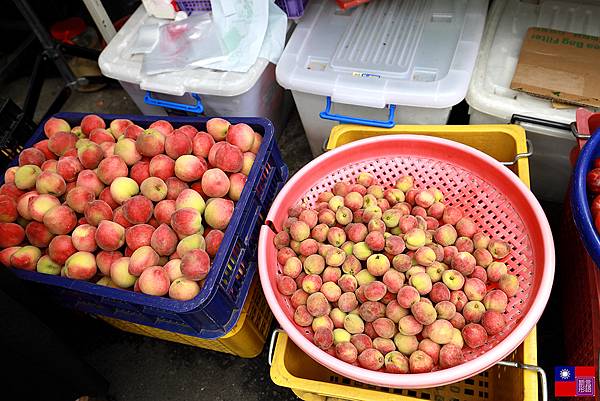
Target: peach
{"x": 9, "y": 174}
{"x": 347, "y": 352}
{"x": 453, "y": 279}
{"x": 8, "y": 209}
{"x": 317, "y": 304}
{"x": 474, "y": 289}
{"x": 496, "y": 270}
{"x": 194, "y": 241}
{"x": 472, "y": 311}
{"x": 43, "y": 147}
{"x": 480, "y": 273}
{"x": 90, "y": 154}
{"x": 54, "y": 125}
{"x": 138, "y": 209}
{"x": 323, "y": 338}
{"x": 353, "y": 201}
{"x": 10, "y": 189}
{"x": 163, "y": 211}
{"x": 190, "y": 168}
{"x": 226, "y": 157}
{"x": 474, "y": 335}
{"x": 369, "y": 311}
{"x": 126, "y": 149}
{"x": 361, "y": 342}
{"x": 102, "y": 136}
{"x": 509, "y": 284}
{"x": 319, "y": 232}
{"x": 195, "y": 265}
{"x": 383, "y": 345}
{"x": 104, "y": 259}
{"x": 378, "y": 264}
{"x": 119, "y": 273}
{"x": 422, "y": 282}
{"x": 439, "y": 292}
{"x": 299, "y": 297}
{"x": 237, "y": 183}
{"x": 348, "y": 283}
{"x": 402, "y": 262}
{"x": 313, "y": 264}
{"x": 31, "y": 156}
{"x": 356, "y": 232}
{"x": 371, "y": 359}
{"x": 97, "y": 211}
{"x": 218, "y": 213}
{"x": 375, "y": 241}
{"x": 322, "y": 321}
{"x": 449, "y": 253}
{"x": 483, "y": 257}
{"x": 495, "y": 300}
{"x": 241, "y": 135}
{"x": 84, "y": 238}
{"x": 394, "y": 280}
{"x": 247, "y": 162}
{"x": 150, "y": 143}
{"x": 141, "y": 259}
{"x": 25, "y": 258}
{"x": 445, "y": 235}
{"x": 353, "y": 324}
{"x": 384, "y": 327}
{"x": 499, "y": 249}
{"x": 174, "y": 187}
{"x": 91, "y": 122}
{"x": 81, "y": 266}
{"x": 118, "y": 127}
{"x": 311, "y": 283}
{"x": 375, "y": 291}
{"x": 424, "y": 313}
{"x": 407, "y": 296}
{"x": 111, "y": 168}
{"x": 450, "y": 355}
{"x": 183, "y": 289}
{"x": 493, "y": 322}
{"x": 201, "y": 144}
{"x": 48, "y": 165}
{"x": 256, "y": 143}
{"x": 38, "y": 206}
{"x": 481, "y": 240}
{"x": 458, "y": 321}
{"x": 46, "y": 265}
{"x": 213, "y": 242}
{"x": 430, "y": 348}
{"x": 162, "y": 126}
{"x": 395, "y": 362}
{"x": 154, "y": 281}
{"x": 154, "y": 189}
{"x": 409, "y": 326}
{"x": 186, "y": 221}
{"x": 26, "y": 176}
{"x": 459, "y": 299}
{"x": 110, "y": 236}
{"x": 302, "y": 317}
{"x": 394, "y": 311}
{"x": 132, "y": 131}
{"x": 60, "y": 248}
{"x": 60, "y": 220}
{"x": 217, "y": 128}
{"x": 164, "y": 240}
{"x": 451, "y": 215}
{"x": 441, "y": 331}
{"x": 215, "y": 183}
{"x": 163, "y": 167}
{"x": 138, "y": 235}
{"x": 62, "y": 142}
{"x": 445, "y": 310}
{"x": 286, "y": 285}
{"x": 119, "y": 217}
{"x": 173, "y": 269}
{"x": 38, "y": 234}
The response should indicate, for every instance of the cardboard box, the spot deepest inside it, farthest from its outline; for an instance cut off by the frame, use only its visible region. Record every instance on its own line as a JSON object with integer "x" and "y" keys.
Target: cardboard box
{"x": 562, "y": 66}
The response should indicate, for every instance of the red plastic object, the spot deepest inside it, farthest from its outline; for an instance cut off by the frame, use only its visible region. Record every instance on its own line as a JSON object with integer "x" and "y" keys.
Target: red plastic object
{"x": 580, "y": 283}
{"x": 587, "y": 122}
{"x": 347, "y": 4}
{"x": 67, "y": 29}
{"x": 482, "y": 188}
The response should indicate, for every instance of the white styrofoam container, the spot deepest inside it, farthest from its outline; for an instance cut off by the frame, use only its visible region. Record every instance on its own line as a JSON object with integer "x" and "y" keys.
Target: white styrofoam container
{"x": 415, "y": 54}
{"x": 491, "y": 101}
{"x": 254, "y": 93}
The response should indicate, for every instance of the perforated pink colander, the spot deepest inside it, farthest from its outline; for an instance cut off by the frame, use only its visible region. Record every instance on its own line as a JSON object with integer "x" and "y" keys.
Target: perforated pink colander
{"x": 485, "y": 190}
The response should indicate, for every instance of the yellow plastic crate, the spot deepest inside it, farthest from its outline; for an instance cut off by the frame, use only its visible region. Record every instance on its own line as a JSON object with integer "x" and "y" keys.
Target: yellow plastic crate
{"x": 246, "y": 339}
{"x": 292, "y": 368}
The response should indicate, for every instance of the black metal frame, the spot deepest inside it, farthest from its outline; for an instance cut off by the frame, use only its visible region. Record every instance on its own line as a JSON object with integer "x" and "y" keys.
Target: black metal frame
{"x": 53, "y": 52}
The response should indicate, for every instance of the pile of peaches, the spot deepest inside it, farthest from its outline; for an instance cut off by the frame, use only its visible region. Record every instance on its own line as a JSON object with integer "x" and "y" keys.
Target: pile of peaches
{"x": 124, "y": 206}
{"x": 393, "y": 279}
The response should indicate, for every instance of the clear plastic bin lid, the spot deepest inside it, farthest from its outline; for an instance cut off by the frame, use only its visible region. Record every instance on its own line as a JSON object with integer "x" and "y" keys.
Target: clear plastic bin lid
{"x": 405, "y": 52}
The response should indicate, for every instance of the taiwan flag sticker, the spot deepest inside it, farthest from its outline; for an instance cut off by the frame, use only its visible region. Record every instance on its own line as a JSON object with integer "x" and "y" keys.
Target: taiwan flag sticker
{"x": 574, "y": 381}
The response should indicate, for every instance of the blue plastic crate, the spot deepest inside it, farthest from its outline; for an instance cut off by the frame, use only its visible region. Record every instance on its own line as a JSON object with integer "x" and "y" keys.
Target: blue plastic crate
{"x": 579, "y": 197}
{"x": 293, "y": 8}
{"x": 217, "y": 307}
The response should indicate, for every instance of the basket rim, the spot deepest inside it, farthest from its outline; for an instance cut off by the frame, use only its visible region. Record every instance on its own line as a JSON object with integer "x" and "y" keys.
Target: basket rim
{"x": 420, "y": 380}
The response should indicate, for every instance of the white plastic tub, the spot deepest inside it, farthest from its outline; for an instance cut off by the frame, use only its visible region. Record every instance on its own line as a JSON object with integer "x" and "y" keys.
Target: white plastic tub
{"x": 255, "y": 93}
{"x": 415, "y": 54}
{"x": 492, "y": 101}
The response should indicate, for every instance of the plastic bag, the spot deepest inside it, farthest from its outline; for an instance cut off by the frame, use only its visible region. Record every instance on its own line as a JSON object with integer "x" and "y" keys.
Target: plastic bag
{"x": 195, "y": 40}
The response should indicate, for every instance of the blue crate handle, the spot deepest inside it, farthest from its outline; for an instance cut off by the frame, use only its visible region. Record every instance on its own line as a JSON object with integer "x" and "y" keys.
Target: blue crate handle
{"x": 579, "y": 197}
{"x": 326, "y": 114}
{"x": 198, "y": 108}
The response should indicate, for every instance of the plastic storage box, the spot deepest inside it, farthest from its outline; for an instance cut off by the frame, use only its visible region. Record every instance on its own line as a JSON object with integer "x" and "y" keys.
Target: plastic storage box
{"x": 311, "y": 381}
{"x": 492, "y": 101}
{"x": 246, "y": 339}
{"x": 254, "y": 93}
{"x": 293, "y": 8}
{"x": 381, "y": 63}
{"x": 216, "y": 309}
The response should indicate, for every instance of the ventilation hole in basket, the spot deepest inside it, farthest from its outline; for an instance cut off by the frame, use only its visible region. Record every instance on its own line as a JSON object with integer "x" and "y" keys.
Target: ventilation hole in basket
{"x": 425, "y": 396}
{"x": 411, "y": 393}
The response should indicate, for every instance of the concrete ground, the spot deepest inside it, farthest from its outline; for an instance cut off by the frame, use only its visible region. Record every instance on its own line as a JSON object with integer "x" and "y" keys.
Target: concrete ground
{"x": 142, "y": 368}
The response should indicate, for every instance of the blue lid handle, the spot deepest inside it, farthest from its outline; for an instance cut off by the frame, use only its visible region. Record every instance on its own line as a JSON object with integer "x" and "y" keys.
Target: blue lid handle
{"x": 327, "y": 115}
{"x": 197, "y": 108}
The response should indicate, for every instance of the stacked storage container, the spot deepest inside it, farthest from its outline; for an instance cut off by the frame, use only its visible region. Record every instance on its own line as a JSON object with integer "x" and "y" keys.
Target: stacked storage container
{"x": 254, "y": 93}
{"x": 413, "y": 58}
{"x": 492, "y": 101}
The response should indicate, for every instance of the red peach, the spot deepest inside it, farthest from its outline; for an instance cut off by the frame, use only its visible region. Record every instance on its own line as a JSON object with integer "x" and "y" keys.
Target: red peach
{"x": 154, "y": 281}
{"x": 371, "y": 359}
{"x": 474, "y": 289}
{"x": 217, "y": 128}
{"x": 140, "y": 171}
{"x": 286, "y": 285}
{"x": 102, "y": 136}
{"x": 227, "y": 157}
{"x": 81, "y": 266}
{"x": 163, "y": 211}
{"x": 104, "y": 259}
{"x": 458, "y": 321}
{"x": 318, "y": 305}
{"x": 162, "y": 126}
{"x": 133, "y": 131}
{"x": 38, "y": 234}
{"x": 183, "y": 289}
{"x": 90, "y": 154}
{"x": 43, "y": 147}
{"x": 178, "y": 144}
{"x": 493, "y": 322}
{"x": 215, "y": 183}
{"x": 361, "y": 342}
{"x": 6, "y": 254}
{"x": 423, "y": 312}
{"x": 496, "y": 270}
{"x": 126, "y": 149}
{"x": 459, "y": 299}
{"x": 31, "y": 156}
{"x": 474, "y": 335}
{"x": 173, "y": 269}
{"x": 97, "y": 211}
{"x": 60, "y": 220}
{"x": 495, "y": 300}
{"x": 137, "y": 209}
{"x": 186, "y": 221}
{"x": 174, "y": 187}
{"x": 302, "y": 317}
{"x": 60, "y": 248}
{"x": 450, "y": 355}
{"x": 54, "y": 125}
{"x": 499, "y": 249}
{"x": 118, "y": 126}
{"x": 91, "y": 122}
{"x": 89, "y": 179}
{"x": 111, "y": 168}
{"x": 62, "y": 142}
{"x": 509, "y": 284}
{"x": 141, "y": 259}
{"x": 138, "y": 235}
{"x": 472, "y": 311}
{"x": 247, "y": 162}
{"x": 8, "y": 209}
{"x": 110, "y": 236}
{"x": 164, "y": 240}
{"x": 201, "y": 144}
{"x": 39, "y": 205}
{"x": 465, "y": 227}
{"x": 119, "y": 218}
{"x": 195, "y": 265}
{"x": 150, "y": 143}
{"x": 451, "y": 215}
{"x": 241, "y": 135}
{"x": 218, "y": 213}
{"x": 256, "y": 143}
{"x": 10, "y": 189}
{"x": 213, "y": 242}
{"x": 83, "y": 238}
